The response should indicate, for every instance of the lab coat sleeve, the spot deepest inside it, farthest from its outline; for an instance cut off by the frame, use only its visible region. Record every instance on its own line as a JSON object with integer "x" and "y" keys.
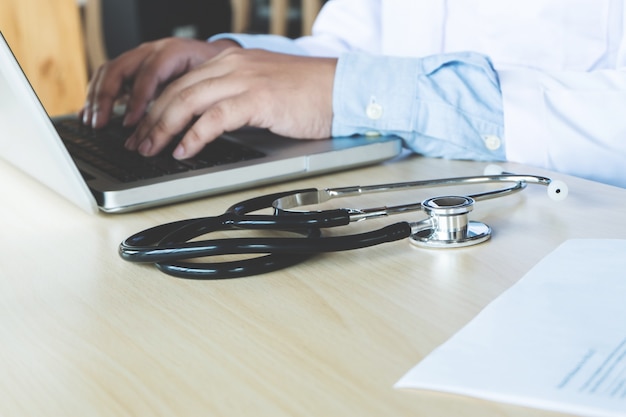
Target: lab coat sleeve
{"x": 446, "y": 105}
{"x": 573, "y": 122}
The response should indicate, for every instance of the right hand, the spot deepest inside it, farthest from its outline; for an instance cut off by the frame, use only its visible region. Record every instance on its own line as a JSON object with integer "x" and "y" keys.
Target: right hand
{"x": 139, "y": 74}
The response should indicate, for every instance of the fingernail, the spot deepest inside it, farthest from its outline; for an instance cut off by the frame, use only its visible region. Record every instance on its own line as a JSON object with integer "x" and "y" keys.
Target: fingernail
{"x": 94, "y": 119}
{"x": 129, "y": 144}
{"x": 126, "y": 121}
{"x": 179, "y": 152}
{"x": 86, "y": 116}
{"x": 145, "y": 146}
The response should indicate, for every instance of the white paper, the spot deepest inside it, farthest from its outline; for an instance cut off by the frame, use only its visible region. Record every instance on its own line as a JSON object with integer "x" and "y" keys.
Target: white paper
{"x": 556, "y": 340}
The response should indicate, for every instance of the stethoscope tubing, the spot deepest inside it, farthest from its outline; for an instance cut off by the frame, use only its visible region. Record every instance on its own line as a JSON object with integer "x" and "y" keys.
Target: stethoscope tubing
{"x": 158, "y": 245}
{"x": 161, "y": 243}
{"x": 284, "y": 252}
{"x": 170, "y": 246}
{"x": 255, "y": 245}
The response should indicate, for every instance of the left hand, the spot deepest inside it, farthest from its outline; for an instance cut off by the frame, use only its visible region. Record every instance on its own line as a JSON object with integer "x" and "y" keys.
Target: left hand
{"x": 289, "y": 95}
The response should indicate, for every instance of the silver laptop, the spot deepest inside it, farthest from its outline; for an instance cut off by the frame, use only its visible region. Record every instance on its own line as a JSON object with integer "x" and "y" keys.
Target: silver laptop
{"x": 95, "y": 172}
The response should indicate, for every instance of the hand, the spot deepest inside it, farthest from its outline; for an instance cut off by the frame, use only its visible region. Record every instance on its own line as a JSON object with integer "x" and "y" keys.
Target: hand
{"x": 289, "y": 95}
{"x": 138, "y": 74}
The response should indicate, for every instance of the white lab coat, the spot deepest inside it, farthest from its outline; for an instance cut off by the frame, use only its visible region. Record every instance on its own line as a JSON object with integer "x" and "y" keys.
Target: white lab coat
{"x": 560, "y": 62}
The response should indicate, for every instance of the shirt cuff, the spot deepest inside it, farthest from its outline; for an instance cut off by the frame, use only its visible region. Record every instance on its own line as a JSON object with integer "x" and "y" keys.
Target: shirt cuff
{"x": 447, "y": 105}
{"x": 273, "y": 43}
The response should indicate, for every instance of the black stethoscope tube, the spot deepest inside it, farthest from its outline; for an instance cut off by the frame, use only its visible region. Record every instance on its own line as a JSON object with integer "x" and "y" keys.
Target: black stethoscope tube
{"x": 167, "y": 253}
{"x": 171, "y": 246}
{"x": 315, "y": 243}
{"x": 284, "y": 252}
{"x": 166, "y": 245}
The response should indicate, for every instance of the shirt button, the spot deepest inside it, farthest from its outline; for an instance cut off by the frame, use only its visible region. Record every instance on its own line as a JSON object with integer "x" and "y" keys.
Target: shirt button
{"x": 492, "y": 142}
{"x": 374, "y": 111}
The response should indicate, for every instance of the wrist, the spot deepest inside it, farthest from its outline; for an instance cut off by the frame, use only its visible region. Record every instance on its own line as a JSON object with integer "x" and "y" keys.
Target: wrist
{"x": 224, "y": 44}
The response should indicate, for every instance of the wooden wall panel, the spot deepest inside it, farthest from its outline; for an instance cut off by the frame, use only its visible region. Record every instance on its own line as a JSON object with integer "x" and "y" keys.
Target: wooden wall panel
{"x": 46, "y": 36}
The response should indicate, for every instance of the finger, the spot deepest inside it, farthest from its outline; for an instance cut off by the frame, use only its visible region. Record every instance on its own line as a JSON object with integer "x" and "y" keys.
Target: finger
{"x": 87, "y": 112}
{"x": 107, "y": 86}
{"x": 170, "y": 115}
{"x": 226, "y": 115}
{"x": 157, "y": 129}
{"x": 157, "y": 70}
{"x": 210, "y": 70}
{"x": 142, "y": 92}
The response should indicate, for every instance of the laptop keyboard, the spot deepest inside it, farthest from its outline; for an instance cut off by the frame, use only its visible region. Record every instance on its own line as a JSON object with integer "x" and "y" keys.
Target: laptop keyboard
{"x": 104, "y": 149}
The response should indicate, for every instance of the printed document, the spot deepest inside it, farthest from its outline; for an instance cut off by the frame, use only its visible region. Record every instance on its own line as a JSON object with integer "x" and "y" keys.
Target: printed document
{"x": 556, "y": 340}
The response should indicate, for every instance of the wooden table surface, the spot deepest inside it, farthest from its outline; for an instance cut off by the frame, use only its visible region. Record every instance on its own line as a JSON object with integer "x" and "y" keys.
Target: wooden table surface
{"x": 84, "y": 333}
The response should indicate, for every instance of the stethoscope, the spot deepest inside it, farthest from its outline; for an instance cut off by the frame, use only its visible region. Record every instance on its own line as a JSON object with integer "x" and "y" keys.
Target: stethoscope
{"x": 172, "y": 249}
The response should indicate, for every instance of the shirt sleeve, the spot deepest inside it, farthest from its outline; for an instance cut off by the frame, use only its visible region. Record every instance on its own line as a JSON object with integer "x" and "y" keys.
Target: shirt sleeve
{"x": 447, "y": 105}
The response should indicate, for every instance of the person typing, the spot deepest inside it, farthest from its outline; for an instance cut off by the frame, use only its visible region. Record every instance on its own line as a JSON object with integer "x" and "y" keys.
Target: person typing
{"x": 540, "y": 83}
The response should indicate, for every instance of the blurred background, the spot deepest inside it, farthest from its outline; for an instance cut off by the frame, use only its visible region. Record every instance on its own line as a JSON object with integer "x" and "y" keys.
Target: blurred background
{"x": 60, "y": 43}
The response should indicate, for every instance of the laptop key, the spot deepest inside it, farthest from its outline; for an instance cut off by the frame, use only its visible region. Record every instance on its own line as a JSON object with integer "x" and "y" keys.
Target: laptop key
{"x": 104, "y": 149}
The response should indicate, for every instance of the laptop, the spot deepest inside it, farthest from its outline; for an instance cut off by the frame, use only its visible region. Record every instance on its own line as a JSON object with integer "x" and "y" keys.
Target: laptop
{"x": 92, "y": 169}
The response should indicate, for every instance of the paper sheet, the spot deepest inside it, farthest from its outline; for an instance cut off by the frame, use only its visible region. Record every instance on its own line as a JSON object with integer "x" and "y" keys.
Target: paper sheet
{"x": 556, "y": 340}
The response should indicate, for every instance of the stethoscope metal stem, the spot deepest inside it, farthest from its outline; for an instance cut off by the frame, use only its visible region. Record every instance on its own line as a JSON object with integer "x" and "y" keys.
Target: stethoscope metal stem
{"x": 289, "y": 202}
{"x": 399, "y": 186}
{"x": 447, "y": 225}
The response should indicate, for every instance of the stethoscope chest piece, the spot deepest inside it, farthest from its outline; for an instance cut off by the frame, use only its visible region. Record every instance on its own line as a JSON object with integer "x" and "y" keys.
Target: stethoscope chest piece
{"x": 447, "y": 225}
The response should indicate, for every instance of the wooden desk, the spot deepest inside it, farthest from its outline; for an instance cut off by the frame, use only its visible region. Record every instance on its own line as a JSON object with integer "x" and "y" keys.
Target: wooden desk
{"x": 85, "y": 334}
